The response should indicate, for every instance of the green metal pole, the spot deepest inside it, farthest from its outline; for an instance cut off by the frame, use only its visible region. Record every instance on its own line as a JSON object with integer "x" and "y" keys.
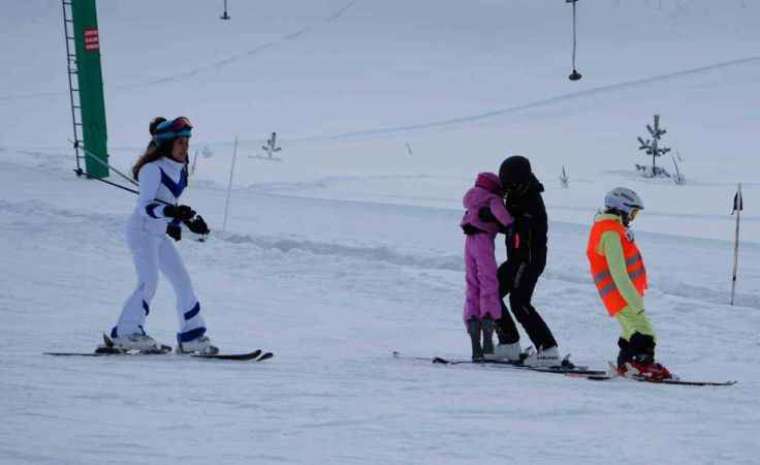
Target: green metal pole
{"x": 90, "y": 81}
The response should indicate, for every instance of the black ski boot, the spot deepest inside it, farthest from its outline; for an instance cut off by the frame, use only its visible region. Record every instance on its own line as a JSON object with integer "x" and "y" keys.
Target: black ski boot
{"x": 473, "y": 329}
{"x": 642, "y": 362}
{"x": 642, "y": 348}
{"x": 625, "y": 355}
{"x": 488, "y": 327}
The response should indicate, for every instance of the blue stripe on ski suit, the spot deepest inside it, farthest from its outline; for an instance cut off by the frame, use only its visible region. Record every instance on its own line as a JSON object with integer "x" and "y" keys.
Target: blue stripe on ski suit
{"x": 151, "y": 209}
{"x": 176, "y": 188}
{"x": 191, "y": 335}
{"x": 195, "y": 310}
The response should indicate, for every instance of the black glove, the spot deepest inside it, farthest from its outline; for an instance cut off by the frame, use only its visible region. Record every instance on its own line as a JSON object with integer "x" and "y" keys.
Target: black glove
{"x": 486, "y": 215}
{"x": 180, "y": 212}
{"x": 469, "y": 230}
{"x": 197, "y": 225}
{"x": 174, "y": 231}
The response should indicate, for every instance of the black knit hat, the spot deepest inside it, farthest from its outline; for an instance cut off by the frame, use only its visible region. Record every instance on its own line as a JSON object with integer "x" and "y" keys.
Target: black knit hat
{"x": 515, "y": 170}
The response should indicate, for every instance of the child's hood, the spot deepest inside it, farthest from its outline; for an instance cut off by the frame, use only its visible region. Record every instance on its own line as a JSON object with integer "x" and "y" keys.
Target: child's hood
{"x": 487, "y": 187}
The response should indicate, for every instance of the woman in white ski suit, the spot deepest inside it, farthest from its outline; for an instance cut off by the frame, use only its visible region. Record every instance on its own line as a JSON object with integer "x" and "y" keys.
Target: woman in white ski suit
{"x": 162, "y": 176}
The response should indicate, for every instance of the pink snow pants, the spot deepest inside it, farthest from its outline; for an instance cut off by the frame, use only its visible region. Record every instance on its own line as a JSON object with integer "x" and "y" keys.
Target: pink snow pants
{"x": 482, "y": 296}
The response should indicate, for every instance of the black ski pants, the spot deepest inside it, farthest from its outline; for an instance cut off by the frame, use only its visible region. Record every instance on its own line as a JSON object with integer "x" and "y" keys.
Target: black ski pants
{"x": 518, "y": 280}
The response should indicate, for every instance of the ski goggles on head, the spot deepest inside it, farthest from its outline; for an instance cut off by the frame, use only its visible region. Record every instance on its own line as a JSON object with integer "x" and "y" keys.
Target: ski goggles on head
{"x": 172, "y": 129}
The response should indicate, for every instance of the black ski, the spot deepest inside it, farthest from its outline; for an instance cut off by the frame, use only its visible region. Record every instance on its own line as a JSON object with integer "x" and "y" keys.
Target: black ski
{"x": 672, "y": 381}
{"x": 108, "y": 349}
{"x": 76, "y": 354}
{"x": 613, "y": 374}
{"x": 567, "y": 367}
{"x": 682, "y": 382}
{"x": 104, "y": 354}
{"x": 256, "y": 356}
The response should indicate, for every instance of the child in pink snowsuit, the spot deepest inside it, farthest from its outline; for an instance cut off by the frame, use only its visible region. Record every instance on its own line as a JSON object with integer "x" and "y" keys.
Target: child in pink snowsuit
{"x": 486, "y": 215}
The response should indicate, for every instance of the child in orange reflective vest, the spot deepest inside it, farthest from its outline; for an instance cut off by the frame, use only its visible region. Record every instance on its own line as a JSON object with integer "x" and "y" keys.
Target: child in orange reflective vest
{"x": 620, "y": 276}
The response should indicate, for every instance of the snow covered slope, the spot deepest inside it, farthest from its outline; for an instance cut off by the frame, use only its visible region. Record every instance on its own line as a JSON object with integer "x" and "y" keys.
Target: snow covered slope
{"x": 333, "y": 287}
{"x": 348, "y": 248}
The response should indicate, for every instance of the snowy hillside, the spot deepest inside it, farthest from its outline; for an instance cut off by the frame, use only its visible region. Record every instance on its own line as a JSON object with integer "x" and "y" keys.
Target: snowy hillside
{"x": 348, "y": 248}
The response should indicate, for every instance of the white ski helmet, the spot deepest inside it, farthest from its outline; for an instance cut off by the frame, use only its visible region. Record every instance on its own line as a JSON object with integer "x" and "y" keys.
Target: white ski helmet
{"x": 623, "y": 199}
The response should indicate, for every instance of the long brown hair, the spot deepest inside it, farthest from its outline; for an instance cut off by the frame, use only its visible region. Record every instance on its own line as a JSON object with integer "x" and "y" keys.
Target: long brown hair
{"x": 153, "y": 152}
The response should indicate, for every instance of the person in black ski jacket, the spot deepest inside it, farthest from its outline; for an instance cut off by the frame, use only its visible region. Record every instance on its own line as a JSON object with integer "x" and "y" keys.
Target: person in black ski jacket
{"x": 526, "y": 242}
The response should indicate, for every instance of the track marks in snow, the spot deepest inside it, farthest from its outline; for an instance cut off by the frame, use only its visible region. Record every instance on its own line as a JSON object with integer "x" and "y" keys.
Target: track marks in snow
{"x": 38, "y": 216}
{"x": 365, "y": 253}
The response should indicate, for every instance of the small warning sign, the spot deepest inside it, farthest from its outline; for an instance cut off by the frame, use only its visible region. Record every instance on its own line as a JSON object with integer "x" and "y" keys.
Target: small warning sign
{"x": 91, "y": 40}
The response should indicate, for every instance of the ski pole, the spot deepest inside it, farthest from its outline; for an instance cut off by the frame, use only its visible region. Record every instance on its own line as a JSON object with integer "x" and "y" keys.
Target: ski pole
{"x": 201, "y": 237}
{"x": 106, "y": 165}
{"x": 110, "y": 183}
{"x": 132, "y": 181}
{"x": 129, "y": 179}
{"x": 229, "y": 186}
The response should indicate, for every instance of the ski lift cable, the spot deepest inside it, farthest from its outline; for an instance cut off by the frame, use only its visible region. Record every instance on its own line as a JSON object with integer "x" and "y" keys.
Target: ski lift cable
{"x": 217, "y": 64}
{"x": 470, "y": 119}
{"x": 465, "y": 120}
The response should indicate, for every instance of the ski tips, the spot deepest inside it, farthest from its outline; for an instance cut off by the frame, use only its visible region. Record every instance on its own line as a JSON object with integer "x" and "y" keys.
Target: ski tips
{"x": 255, "y": 356}
{"x": 265, "y": 356}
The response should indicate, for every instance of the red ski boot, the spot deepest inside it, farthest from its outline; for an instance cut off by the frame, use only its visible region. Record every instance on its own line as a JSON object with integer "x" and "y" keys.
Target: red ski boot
{"x": 650, "y": 370}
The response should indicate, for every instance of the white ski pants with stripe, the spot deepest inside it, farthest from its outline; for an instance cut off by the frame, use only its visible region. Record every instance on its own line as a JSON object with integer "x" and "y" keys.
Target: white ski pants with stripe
{"x": 151, "y": 253}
